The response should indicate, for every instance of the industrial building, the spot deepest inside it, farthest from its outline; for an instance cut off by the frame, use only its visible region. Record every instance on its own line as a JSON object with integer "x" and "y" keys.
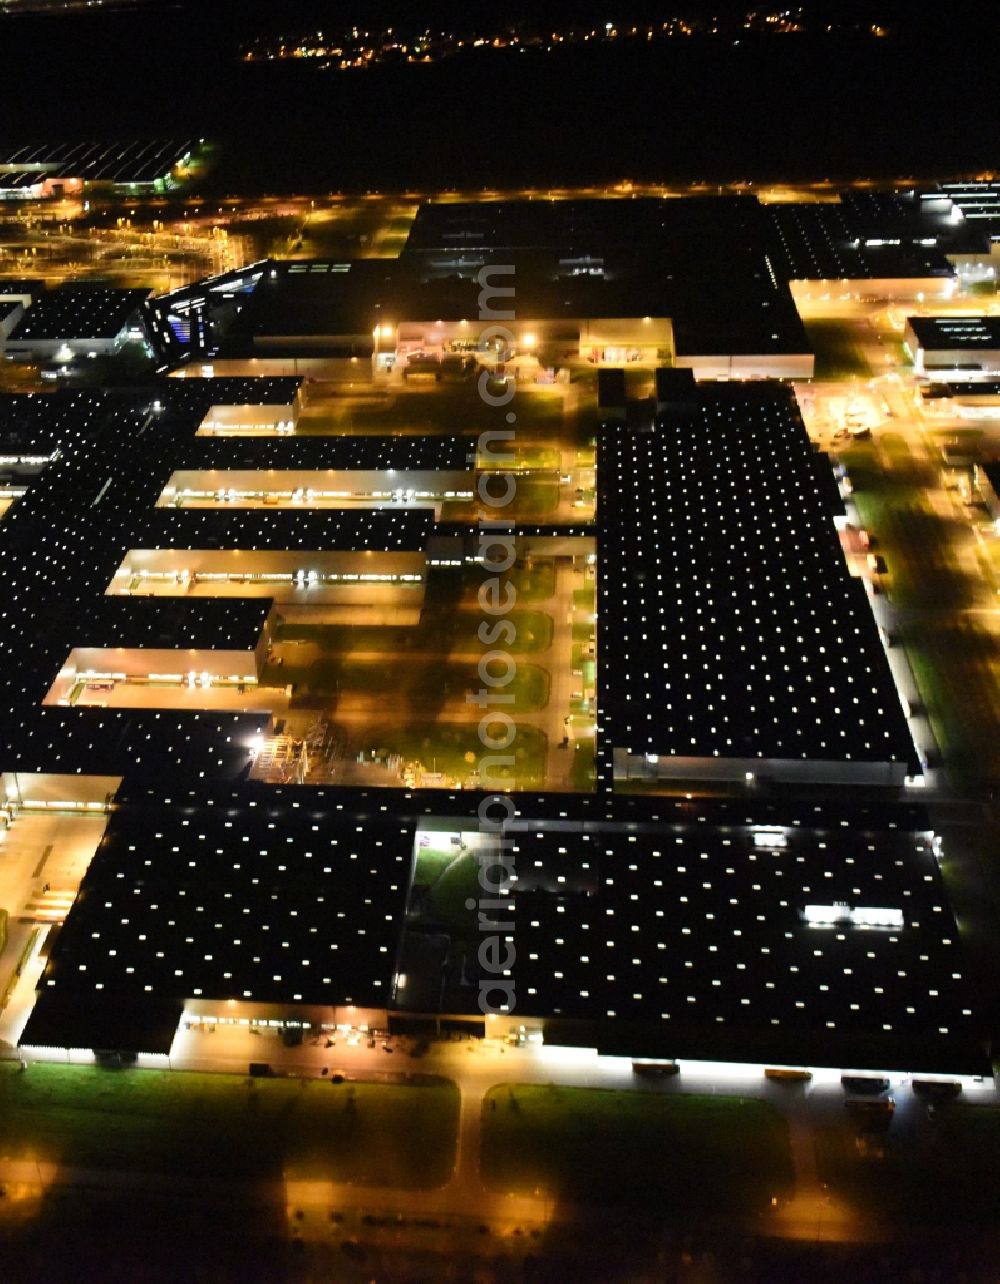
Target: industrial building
{"x": 742, "y": 647}
{"x": 37, "y": 171}
{"x": 747, "y": 880}
{"x": 640, "y": 283}
{"x": 960, "y": 346}
{"x": 814, "y": 934}
{"x": 68, "y": 325}
{"x": 11, "y": 311}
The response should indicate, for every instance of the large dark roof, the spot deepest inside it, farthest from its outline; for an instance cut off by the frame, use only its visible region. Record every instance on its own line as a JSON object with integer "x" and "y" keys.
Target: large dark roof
{"x": 696, "y": 937}
{"x": 333, "y": 530}
{"x": 977, "y": 334}
{"x": 196, "y": 396}
{"x": 667, "y": 926}
{"x": 21, "y": 285}
{"x": 979, "y": 205}
{"x": 733, "y": 628}
{"x": 339, "y": 453}
{"x": 208, "y": 624}
{"x": 121, "y": 161}
{"x": 77, "y": 314}
{"x": 613, "y": 229}
{"x": 61, "y": 544}
{"x": 36, "y": 423}
{"x": 703, "y": 261}
{"x": 858, "y": 240}
{"x": 282, "y": 902}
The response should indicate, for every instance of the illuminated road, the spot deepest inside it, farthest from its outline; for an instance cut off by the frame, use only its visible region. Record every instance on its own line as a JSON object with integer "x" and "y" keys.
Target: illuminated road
{"x": 811, "y": 1212}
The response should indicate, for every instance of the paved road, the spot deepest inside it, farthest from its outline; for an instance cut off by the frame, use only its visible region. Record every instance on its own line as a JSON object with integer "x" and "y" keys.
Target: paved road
{"x": 476, "y": 1066}
{"x": 812, "y": 1212}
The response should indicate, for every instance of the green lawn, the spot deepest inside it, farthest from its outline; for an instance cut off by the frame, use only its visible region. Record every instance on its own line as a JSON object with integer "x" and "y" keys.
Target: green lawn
{"x": 957, "y": 669}
{"x": 538, "y": 458}
{"x": 431, "y": 862}
{"x": 951, "y": 1173}
{"x": 534, "y": 583}
{"x": 838, "y": 354}
{"x": 443, "y": 410}
{"x": 415, "y": 682}
{"x": 585, "y": 599}
{"x": 954, "y": 655}
{"x": 446, "y": 747}
{"x": 456, "y": 885}
{"x": 535, "y": 495}
{"x": 181, "y": 1123}
{"x": 583, "y": 774}
{"x": 673, "y": 1153}
{"x": 439, "y": 632}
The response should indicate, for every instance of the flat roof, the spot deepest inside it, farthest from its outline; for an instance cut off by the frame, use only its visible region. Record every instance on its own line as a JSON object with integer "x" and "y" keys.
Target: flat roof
{"x": 202, "y": 624}
{"x": 384, "y": 529}
{"x": 196, "y": 396}
{"x": 272, "y": 903}
{"x": 695, "y": 936}
{"x": 65, "y": 314}
{"x": 652, "y": 926}
{"x": 721, "y": 301}
{"x": 311, "y": 454}
{"x": 133, "y": 160}
{"x": 20, "y": 285}
{"x": 852, "y": 241}
{"x": 62, "y": 543}
{"x": 734, "y": 628}
{"x": 36, "y": 423}
{"x": 977, "y": 334}
{"x": 705, "y": 262}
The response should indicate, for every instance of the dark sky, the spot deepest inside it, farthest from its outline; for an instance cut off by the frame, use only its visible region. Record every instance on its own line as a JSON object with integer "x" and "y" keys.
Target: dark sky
{"x": 924, "y": 104}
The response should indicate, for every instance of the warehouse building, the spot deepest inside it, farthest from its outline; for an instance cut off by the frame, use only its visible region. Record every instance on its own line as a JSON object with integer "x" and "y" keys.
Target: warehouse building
{"x": 961, "y": 346}
{"x": 67, "y": 325}
{"x": 741, "y": 648}
{"x": 813, "y": 934}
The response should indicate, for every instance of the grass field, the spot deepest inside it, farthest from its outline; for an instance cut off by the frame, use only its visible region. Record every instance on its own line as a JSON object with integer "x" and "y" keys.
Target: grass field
{"x": 456, "y": 884}
{"x": 536, "y": 583}
{"x": 181, "y": 1123}
{"x": 538, "y": 458}
{"x": 957, "y": 670}
{"x": 439, "y": 632}
{"x": 838, "y": 355}
{"x": 417, "y": 683}
{"x": 445, "y": 410}
{"x": 952, "y": 1174}
{"x": 534, "y": 496}
{"x": 585, "y": 599}
{"x": 583, "y": 773}
{"x": 954, "y": 654}
{"x": 670, "y": 1153}
{"x": 431, "y": 862}
{"x": 455, "y": 749}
